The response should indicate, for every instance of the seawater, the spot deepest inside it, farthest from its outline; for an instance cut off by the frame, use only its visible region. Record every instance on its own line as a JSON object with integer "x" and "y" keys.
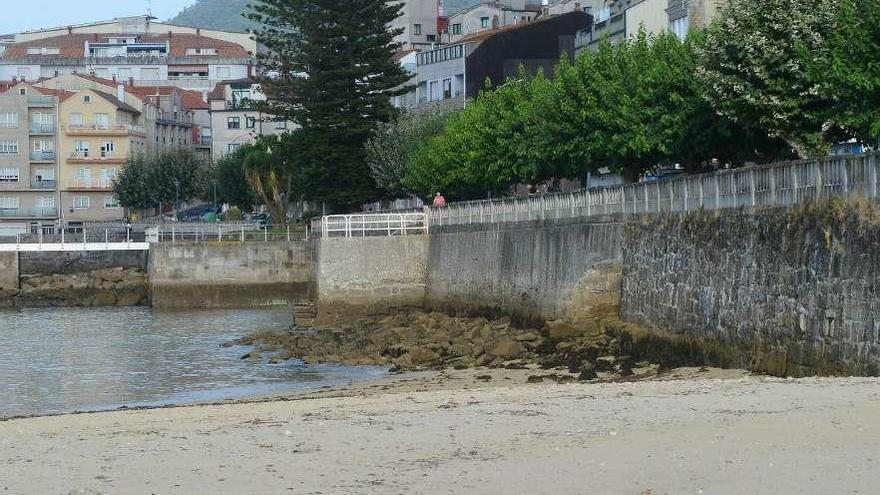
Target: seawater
{"x": 92, "y": 359}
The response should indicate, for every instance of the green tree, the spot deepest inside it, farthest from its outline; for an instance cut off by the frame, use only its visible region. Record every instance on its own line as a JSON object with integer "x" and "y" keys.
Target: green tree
{"x": 232, "y": 186}
{"x": 333, "y": 73}
{"x": 147, "y": 181}
{"x": 852, "y": 71}
{"x": 394, "y": 146}
{"x": 753, "y": 65}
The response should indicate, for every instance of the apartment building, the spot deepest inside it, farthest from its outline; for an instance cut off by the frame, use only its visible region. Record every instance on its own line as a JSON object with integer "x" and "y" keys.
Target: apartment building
{"x": 418, "y": 22}
{"x": 236, "y": 119}
{"x": 28, "y": 160}
{"x": 616, "y": 20}
{"x": 488, "y": 15}
{"x": 461, "y": 69}
{"x": 131, "y": 49}
{"x": 98, "y": 132}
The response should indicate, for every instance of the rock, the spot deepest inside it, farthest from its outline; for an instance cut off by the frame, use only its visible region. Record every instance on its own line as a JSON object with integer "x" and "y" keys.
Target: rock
{"x": 104, "y": 298}
{"x": 395, "y": 351}
{"x": 507, "y": 348}
{"x": 421, "y": 356}
{"x": 254, "y": 354}
{"x": 483, "y": 378}
{"x": 558, "y": 330}
{"x": 534, "y": 379}
{"x": 587, "y": 372}
{"x": 483, "y": 360}
{"x": 527, "y": 337}
{"x": 605, "y": 363}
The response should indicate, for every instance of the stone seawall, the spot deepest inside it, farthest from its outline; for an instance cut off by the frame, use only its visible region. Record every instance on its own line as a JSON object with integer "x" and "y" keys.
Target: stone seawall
{"x": 370, "y": 274}
{"x": 8, "y": 272}
{"x": 233, "y": 275}
{"x": 529, "y": 270}
{"x": 785, "y": 291}
{"x": 69, "y": 263}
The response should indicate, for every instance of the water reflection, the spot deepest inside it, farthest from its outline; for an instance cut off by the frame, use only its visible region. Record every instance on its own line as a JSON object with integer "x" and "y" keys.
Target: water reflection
{"x": 63, "y": 360}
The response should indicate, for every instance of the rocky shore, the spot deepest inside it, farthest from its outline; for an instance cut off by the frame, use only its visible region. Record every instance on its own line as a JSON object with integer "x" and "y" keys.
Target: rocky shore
{"x": 105, "y": 287}
{"x": 598, "y": 347}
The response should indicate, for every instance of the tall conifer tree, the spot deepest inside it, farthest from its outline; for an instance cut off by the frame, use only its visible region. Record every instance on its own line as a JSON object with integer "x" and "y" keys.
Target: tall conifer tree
{"x": 329, "y": 67}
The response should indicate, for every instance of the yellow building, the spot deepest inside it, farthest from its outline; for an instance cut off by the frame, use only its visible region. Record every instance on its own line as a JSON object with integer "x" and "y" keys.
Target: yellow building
{"x": 98, "y": 132}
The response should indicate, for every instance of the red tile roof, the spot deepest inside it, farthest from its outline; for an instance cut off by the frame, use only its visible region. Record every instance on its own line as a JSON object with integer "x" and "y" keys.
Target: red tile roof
{"x": 74, "y": 45}
{"x": 60, "y": 93}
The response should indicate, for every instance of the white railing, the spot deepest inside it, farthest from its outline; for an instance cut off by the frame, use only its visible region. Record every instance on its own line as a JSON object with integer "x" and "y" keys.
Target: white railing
{"x": 779, "y": 184}
{"x": 374, "y": 225}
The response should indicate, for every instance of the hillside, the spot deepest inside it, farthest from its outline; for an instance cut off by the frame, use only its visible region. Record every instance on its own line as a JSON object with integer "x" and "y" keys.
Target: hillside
{"x": 215, "y": 14}
{"x": 226, "y": 14}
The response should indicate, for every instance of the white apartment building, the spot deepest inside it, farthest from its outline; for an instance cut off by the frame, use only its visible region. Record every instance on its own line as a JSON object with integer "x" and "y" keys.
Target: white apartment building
{"x": 236, "y": 119}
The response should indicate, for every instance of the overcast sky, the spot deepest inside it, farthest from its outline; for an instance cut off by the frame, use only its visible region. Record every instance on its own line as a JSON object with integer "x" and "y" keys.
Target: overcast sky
{"x": 20, "y": 15}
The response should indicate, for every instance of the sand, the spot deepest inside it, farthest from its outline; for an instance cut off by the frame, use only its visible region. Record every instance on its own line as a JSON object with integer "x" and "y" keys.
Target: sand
{"x": 706, "y": 432}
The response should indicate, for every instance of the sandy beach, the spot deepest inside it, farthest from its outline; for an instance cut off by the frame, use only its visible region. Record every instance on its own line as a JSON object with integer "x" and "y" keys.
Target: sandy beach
{"x": 472, "y": 431}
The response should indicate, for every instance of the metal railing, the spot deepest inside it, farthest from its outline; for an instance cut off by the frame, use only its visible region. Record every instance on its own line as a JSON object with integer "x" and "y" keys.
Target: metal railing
{"x": 37, "y": 212}
{"x": 41, "y": 101}
{"x": 779, "y": 184}
{"x": 37, "y": 128}
{"x": 43, "y": 184}
{"x": 97, "y": 184}
{"x": 42, "y": 156}
{"x": 380, "y": 224}
{"x": 108, "y": 128}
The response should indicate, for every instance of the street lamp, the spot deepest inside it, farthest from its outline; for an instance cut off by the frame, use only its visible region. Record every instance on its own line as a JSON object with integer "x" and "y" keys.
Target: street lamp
{"x": 214, "y": 183}
{"x": 176, "y": 200}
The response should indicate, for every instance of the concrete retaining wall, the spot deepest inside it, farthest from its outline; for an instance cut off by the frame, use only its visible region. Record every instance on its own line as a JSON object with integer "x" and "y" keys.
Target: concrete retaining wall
{"x": 370, "y": 274}
{"x": 208, "y": 275}
{"x": 789, "y": 292}
{"x": 8, "y": 272}
{"x": 68, "y": 263}
{"x": 529, "y": 270}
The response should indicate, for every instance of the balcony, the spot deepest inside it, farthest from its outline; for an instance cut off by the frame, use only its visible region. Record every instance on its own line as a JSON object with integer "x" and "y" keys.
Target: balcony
{"x": 44, "y": 184}
{"x": 104, "y": 130}
{"x": 102, "y": 184}
{"x": 41, "y": 101}
{"x": 42, "y": 156}
{"x": 37, "y": 128}
{"x": 39, "y": 212}
{"x": 85, "y": 157}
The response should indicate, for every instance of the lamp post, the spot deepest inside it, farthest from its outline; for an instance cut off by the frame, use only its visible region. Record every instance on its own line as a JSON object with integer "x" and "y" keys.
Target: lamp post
{"x": 176, "y": 200}
{"x": 214, "y": 183}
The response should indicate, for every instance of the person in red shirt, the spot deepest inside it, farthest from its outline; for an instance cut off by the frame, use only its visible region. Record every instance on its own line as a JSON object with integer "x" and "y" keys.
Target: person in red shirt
{"x": 439, "y": 200}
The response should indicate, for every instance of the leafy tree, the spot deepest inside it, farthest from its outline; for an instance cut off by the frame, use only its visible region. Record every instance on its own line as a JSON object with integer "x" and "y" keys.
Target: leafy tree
{"x": 147, "y": 181}
{"x": 232, "y": 186}
{"x": 394, "y": 145}
{"x": 753, "y": 64}
{"x": 333, "y": 73}
{"x": 852, "y": 72}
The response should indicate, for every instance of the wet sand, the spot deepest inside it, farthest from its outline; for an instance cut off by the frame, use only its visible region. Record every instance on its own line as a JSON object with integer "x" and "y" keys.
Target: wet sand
{"x": 472, "y": 431}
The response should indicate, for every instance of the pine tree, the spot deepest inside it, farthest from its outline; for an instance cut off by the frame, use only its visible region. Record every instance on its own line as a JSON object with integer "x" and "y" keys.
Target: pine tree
{"x": 329, "y": 68}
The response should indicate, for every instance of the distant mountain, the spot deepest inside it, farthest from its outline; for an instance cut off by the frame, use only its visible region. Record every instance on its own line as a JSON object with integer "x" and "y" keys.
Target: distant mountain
{"x": 225, "y": 15}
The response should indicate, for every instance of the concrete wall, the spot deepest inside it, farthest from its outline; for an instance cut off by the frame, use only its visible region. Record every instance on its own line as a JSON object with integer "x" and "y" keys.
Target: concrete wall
{"x": 208, "y": 275}
{"x": 371, "y": 274}
{"x": 530, "y": 270}
{"x": 8, "y": 272}
{"x": 789, "y": 292}
{"x": 67, "y": 263}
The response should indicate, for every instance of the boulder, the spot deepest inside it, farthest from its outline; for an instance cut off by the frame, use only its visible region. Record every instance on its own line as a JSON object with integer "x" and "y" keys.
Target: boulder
{"x": 507, "y": 348}
{"x": 420, "y": 356}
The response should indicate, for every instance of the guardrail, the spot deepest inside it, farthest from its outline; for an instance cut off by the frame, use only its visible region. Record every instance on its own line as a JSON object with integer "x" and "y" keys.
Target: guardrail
{"x": 374, "y": 225}
{"x": 780, "y": 184}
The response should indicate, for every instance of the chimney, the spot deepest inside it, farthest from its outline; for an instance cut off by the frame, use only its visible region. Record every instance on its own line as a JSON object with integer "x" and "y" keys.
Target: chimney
{"x": 113, "y": 78}
{"x": 198, "y": 31}
{"x": 131, "y": 81}
{"x": 120, "y": 92}
{"x": 56, "y": 72}
{"x": 170, "y": 34}
{"x": 577, "y": 6}
{"x": 69, "y": 29}
{"x": 14, "y": 80}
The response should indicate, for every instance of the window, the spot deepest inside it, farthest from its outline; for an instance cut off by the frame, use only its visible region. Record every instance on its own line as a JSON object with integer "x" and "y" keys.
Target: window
{"x": 456, "y": 28}
{"x": 81, "y": 148}
{"x": 280, "y": 124}
{"x": 233, "y": 123}
{"x": 8, "y": 119}
{"x": 8, "y": 174}
{"x": 110, "y": 202}
{"x": 108, "y": 148}
{"x": 417, "y": 29}
{"x": 447, "y": 89}
{"x": 434, "y": 91}
{"x": 81, "y": 202}
{"x": 45, "y": 202}
{"x": 102, "y": 120}
{"x": 22, "y": 91}
{"x": 87, "y": 99}
{"x": 83, "y": 174}
{"x": 251, "y": 122}
{"x": 232, "y": 147}
{"x": 43, "y": 122}
{"x": 8, "y": 147}
{"x": 484, "y": 22}
{"x": 44, "y": 146}
{"x": 223, "y": 72}
{"x": 8, "y": 203}
{"x": 679, "y": 27}
{"x": 76, "y": 119}
{"x": 431, "y": 38}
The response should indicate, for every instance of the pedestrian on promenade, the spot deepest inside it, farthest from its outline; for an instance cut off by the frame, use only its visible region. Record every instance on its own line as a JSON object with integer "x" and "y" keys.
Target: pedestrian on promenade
{"x": 439, "y": 200}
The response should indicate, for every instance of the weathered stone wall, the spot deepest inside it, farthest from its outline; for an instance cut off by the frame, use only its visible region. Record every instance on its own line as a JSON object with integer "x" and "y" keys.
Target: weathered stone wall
{"x": 8, "y": 272}
{"x": 788, "y": 292}
{"x": 215, "y": 275}
{"x": 69, "y": 263}
{"x": 530, "y": 270}
{"x": 370, "y": 274}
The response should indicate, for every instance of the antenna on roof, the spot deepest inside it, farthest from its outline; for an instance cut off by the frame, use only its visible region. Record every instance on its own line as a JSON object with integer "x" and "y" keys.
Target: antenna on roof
{"x": 149, "y": 8}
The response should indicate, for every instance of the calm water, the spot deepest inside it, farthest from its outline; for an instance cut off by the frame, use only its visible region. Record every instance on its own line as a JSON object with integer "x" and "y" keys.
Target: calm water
{"x": 64, "y": 360}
